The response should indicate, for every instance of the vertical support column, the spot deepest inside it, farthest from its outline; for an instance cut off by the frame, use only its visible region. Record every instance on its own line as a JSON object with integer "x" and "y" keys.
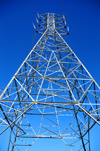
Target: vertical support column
{"x": 50, "y": 21}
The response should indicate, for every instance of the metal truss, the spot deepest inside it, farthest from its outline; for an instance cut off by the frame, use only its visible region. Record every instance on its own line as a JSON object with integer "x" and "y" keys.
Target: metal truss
{"x": 51, "y": 96}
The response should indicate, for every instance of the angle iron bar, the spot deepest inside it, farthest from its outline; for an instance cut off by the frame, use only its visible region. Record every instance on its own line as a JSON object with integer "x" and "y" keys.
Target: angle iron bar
{"x": 53, "y": 61}
{"x": 17, "y": 118}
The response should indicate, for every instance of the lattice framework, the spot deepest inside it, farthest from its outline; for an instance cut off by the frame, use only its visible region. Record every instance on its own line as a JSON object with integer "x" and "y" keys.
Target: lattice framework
{"x": 52, "y": 95}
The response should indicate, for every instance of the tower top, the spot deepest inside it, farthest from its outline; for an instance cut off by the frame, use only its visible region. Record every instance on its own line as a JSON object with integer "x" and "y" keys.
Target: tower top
{"x": 52, "y": 21}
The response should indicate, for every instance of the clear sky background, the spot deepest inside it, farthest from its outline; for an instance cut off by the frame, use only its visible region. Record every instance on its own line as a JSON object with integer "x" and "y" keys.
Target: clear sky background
{"x": 17, "y": 33}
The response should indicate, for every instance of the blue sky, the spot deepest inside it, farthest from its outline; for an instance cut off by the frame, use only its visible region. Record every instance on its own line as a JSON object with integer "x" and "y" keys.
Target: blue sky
{"x": 17, "y": 33}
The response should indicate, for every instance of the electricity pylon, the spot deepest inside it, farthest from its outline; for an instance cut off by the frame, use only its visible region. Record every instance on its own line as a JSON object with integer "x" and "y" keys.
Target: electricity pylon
{"x": 51, "y": 96}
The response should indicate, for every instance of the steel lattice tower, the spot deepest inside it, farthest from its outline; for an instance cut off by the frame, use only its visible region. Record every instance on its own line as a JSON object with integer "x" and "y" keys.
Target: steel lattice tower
{"x": 52, "y": 95}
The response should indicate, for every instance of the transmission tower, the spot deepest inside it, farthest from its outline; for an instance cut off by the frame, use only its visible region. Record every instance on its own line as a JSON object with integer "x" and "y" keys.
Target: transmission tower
{"x": 51, "y": 96}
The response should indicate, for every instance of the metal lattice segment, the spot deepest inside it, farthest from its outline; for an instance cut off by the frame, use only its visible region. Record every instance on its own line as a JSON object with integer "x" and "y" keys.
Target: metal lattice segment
{"x": 53, "y": 21}
{"x": 52, "y": 95}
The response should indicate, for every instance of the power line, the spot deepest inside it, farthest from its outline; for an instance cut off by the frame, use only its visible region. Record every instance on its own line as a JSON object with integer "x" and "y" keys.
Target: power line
{"x": 34, "y": 11}
{"x": 32, "y": 20}
{"x": 29, "y": 15}
{"x": 36, "y": 8}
